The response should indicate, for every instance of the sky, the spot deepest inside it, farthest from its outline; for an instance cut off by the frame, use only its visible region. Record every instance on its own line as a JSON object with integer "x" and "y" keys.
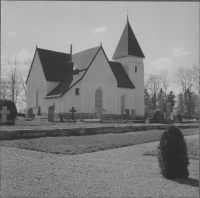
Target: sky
{"x": 168, "y": 32}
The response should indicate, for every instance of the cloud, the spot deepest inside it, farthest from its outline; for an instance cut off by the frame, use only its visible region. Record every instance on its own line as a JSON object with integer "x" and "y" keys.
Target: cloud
{"x": 179, "y": 51}
{"x": 99, "y": 30}
{"x": 162, "y": 63}
{"x": 23, "y": 56}
{"x": 12, "y": 34}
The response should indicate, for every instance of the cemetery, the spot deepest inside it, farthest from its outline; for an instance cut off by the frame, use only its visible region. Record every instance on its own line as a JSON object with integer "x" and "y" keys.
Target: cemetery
{"x": 78, "y": 119}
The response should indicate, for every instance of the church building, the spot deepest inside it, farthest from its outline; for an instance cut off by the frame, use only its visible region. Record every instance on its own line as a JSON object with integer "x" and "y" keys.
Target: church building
{"x": 88, "y": 81}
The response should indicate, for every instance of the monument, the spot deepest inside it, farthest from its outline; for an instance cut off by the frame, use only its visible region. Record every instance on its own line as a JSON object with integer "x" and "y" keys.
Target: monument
{"x": 73, "y": 111}
{"x": 51, "y": 113}
{"x": 4, "y": 112}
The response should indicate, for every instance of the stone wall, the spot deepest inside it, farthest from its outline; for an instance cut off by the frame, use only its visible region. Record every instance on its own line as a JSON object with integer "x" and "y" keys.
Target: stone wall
{"x": 35, "y": 133}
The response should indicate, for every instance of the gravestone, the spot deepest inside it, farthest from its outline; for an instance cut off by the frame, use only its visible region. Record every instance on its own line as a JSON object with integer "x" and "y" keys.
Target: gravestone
{"x": 165, "y": 115}
{"x": 127, "y": 113}
{"x": 157, "y": 115}
{"x": 4, "y": 112}
{"x": 30, "y": 113}
{"x": 73, "y": 111}
{"x": 146, "y": 118}
{"x": 51, "y": 113}
{"x": 132, "y": 114}
{"x": 171, "y": 116}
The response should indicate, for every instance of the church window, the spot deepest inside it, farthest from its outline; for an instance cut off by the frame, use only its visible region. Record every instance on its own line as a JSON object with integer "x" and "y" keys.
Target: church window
{"x": 135, "y": 69}
{"x": 37, "y": 98}
{"x": 77, "y": 91}
{"x": 98, "y": 99}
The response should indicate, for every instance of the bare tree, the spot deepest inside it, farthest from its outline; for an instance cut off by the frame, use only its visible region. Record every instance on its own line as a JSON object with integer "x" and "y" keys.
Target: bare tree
{"x": 14, "y": 84}
{"x": 183, "y": 78}
{"x": 165, "y": 80}
{"x": 4, "y": 93}
{"x": 195, "y": 72}
{"x": 23, "y": 73}
{"x": 152, "y": 85}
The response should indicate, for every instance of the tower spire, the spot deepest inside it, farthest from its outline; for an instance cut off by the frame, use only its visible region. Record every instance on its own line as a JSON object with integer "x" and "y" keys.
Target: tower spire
{"x": 127, "y": 14}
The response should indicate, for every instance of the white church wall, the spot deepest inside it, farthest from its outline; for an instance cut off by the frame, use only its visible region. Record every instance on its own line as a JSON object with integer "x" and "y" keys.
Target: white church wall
{"x": 50, "y": 85}
{"x": 101, "y": 76}
{"x": 53, "y": 101}
{"x": 129, "y": 95}
{"x": 138, "y": 80}
{"x": 36, "y": 81}
{"x": 70, "y": 99}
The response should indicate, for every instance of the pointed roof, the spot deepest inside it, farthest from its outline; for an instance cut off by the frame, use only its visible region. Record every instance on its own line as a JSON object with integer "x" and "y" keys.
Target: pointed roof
{"x": 128, "y": 44}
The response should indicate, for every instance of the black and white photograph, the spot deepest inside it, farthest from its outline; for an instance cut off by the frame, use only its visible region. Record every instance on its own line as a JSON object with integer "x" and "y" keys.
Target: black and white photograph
{"x": 99, "y": 99}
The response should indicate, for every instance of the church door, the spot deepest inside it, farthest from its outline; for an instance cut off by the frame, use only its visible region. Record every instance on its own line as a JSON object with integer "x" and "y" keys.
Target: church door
{"x": 98, "y": 102}
{"x": 123, "y": 104}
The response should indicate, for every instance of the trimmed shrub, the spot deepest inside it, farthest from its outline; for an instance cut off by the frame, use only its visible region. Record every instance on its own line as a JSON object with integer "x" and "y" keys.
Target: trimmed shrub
{"x": 172, "y": 154}
{"x": 11, "y": 107}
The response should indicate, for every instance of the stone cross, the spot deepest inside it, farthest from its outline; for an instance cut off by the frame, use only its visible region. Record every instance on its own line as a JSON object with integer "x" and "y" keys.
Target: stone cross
{"x": 73, "y": 111}
{"x": 4, "y": 113}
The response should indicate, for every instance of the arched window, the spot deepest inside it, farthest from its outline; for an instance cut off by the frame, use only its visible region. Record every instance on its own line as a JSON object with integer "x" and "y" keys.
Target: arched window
{"x": 37, "y": 98}
{"x": 98, "y": 99}
{"x": 135, "y": 69}
{"x": 123, "y": 103}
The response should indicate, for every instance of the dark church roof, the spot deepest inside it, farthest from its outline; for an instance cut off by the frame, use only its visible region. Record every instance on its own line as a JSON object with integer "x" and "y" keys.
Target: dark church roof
{"x": 82, "y": 61}
{"x": 54, "y": 64}
{"x": 121, "y": 76}
{"x": 128, "y": 44}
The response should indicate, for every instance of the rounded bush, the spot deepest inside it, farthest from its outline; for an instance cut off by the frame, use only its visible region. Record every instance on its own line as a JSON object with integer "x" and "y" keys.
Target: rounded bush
{"x": 11, "y": 107}
{"x": 172, "y": 154}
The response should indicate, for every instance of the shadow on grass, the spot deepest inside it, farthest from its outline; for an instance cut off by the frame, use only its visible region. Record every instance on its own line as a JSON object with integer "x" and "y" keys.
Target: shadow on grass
{"x": 188, "y": 181}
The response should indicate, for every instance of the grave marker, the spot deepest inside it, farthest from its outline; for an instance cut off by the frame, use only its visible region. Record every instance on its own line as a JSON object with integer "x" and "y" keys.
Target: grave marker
{"x": 4, "y": 112}
{"x": 30, "y": 113}
{"x": 171, "y": 116}
{"x": 165, "y": 115}
{"x": 146, "y": 118}
{"x": 51, "y": 114}
{"x": 73, "y": 111}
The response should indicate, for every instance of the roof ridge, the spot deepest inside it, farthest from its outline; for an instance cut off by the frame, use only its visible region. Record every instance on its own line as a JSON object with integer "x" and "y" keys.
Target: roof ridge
{"x": 86, "y": 50}
{"x": 51, "y": 50}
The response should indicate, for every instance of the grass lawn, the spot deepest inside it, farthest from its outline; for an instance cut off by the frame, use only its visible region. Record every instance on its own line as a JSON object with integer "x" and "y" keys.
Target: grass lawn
{"x": 74, "y": 145}
{"x": 192, "y": 148}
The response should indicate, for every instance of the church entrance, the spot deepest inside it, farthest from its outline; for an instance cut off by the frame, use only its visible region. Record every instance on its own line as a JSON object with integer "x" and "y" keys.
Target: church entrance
{"x": 98, "y": 103}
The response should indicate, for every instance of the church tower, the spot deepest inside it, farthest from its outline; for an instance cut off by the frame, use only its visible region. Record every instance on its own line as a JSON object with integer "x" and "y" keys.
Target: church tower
{"x": 130, "y": 55}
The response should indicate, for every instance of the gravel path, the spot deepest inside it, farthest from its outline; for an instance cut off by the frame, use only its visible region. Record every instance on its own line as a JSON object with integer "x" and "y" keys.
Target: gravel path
{"x": 122, "y": 172}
